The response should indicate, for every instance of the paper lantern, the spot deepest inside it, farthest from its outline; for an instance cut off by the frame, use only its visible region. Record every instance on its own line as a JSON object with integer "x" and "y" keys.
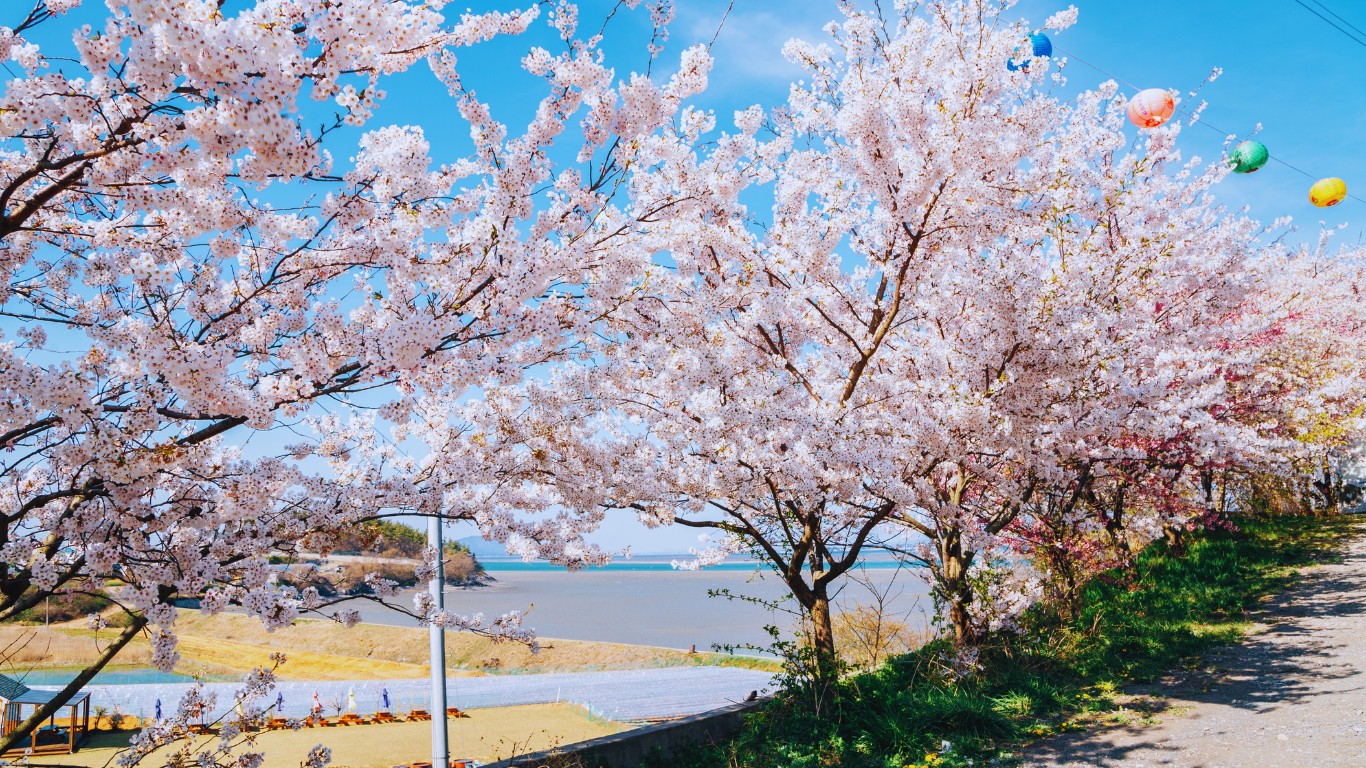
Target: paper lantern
{"x": 1151, "y": 108}
{"x": 1249, "y": 156}
{"x": 1326, "y": 192}
{"x": 1039, "y": 46}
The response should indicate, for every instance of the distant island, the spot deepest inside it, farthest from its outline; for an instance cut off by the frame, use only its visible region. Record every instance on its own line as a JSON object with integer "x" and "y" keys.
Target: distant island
{"x": 388, "y": 549}
{"x": 482, "y": 547}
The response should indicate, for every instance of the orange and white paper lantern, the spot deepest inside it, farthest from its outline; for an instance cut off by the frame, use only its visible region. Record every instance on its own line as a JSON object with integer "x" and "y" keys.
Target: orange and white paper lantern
{"x": 1151, "y": 108}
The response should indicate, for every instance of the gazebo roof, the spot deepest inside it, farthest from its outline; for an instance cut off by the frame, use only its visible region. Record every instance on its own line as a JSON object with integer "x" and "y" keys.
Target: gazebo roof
{"x": 11, "y": 689}
{"x": 31, "y": 696}
{"x": 15, "y": 692}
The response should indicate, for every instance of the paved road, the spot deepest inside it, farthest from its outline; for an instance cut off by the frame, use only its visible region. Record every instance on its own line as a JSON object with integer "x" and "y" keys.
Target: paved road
{"x": 1292, "y": 695}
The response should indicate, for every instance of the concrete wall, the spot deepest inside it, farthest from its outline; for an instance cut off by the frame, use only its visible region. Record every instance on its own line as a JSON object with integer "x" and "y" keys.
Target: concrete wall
{"x": 629, "y": 748}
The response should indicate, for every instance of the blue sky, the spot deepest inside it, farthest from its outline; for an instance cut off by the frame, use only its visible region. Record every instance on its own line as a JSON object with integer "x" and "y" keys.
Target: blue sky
{"x": 1283, "y": 67}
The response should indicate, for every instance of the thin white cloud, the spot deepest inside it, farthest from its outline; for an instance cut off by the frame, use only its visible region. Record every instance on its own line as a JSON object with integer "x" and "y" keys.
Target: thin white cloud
{"x": 751, "y": 40}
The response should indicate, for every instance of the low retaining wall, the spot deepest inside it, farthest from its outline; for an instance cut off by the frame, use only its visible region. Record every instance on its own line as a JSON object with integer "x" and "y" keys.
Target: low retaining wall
{"x": 629, "y": 748}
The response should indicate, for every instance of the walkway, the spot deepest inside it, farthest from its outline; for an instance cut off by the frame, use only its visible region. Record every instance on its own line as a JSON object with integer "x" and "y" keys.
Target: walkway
{"x": 1293, "y": 694}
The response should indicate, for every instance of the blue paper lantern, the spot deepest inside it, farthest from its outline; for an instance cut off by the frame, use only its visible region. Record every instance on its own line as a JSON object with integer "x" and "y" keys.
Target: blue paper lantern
{"x": 1039, "y": 46}
{"x": 1042, "y": 45}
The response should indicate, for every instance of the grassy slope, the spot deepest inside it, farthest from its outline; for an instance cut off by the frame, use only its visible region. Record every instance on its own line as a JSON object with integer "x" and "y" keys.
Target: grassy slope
{"x": 1067, "y": 675}
{"x": 35, "y": 646}
{"x": 409, "y": 646}
{"x": 323, "y": 650}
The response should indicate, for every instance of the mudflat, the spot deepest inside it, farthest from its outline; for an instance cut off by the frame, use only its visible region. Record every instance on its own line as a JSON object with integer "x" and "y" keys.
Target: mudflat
{"x": 672, "y": 609}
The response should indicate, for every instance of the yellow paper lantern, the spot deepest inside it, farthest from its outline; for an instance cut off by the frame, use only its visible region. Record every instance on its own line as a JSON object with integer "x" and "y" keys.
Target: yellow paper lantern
{"x": 1326, "y": 192}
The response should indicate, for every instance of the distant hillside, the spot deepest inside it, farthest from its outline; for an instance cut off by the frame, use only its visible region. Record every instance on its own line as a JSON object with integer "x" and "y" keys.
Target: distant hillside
{"x": 384, "y": 538}
{"x": 482, "y": 547}
{"x": 400, "y": 544}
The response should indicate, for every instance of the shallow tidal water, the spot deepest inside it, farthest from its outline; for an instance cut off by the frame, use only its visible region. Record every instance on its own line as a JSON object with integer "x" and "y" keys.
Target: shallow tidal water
{"x": 107, "y": 676}
{"x": 657, "y": 607}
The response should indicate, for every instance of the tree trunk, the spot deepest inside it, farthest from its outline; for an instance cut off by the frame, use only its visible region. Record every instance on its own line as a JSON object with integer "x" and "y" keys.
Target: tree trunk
{"x": 825, "y": 662}
{"x": 1328, "y": 489}
{"x": 818, "y": 659}
{"x": 1071, "y": 599}
{"x": 822, "y": 627}
{"x": 955, "y": 588}
{"x": 1114, "y": 526}
{"x": 1176, "y": 539}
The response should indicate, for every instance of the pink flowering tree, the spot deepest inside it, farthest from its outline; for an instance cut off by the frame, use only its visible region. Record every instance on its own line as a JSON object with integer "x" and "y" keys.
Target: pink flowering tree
{"x": 922, "y": 302}
{"x": 864, "y": 361}
{"x": 217, "y": 334}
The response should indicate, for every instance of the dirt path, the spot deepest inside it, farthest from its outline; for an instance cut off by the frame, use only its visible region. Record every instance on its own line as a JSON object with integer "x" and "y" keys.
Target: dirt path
{"x": 1293, "y": 694}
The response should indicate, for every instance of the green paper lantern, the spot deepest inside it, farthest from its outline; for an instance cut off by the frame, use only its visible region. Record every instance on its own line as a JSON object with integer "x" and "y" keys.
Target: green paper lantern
{"x": 1249, "y": 156}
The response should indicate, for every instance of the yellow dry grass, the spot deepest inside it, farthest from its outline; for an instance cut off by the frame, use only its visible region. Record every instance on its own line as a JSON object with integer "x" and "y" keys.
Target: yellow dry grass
{"x": 487, "y": 735}
{"x": 324, "y": 650}
{"x": 25, "y": 647}
{"x": 371, "y": 652}
{"x": 216, "y": 653}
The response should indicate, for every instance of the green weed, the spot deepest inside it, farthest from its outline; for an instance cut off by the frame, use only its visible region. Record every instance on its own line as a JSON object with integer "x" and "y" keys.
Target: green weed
{"x": 1060, "y": 675}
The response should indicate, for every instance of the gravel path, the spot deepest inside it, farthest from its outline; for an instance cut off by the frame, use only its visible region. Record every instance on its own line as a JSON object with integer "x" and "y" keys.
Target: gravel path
{"x": 1292, "y": 694}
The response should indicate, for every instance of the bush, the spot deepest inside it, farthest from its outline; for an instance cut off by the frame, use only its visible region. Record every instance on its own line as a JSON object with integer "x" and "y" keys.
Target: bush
{"x": 351, "y": 579}
{"x": 866, "y": 637}
{"x": 462, "y": 567}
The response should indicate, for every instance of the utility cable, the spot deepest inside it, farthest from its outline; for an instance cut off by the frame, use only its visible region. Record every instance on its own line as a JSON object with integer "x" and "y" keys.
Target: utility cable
{"x": 1331, "y": 23}
{"x": 1352, "y": 26}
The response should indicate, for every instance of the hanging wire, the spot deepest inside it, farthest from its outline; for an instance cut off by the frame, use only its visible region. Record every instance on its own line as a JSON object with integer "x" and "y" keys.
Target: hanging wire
{"x": 1353, "y": 27}
{"x": 1333, "y": 24}
{"x": 1198, "y": 119}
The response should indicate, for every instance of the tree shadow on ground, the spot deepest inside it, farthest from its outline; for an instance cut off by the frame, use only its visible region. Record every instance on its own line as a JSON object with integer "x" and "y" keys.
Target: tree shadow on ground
{"x": 1285, "y": 662}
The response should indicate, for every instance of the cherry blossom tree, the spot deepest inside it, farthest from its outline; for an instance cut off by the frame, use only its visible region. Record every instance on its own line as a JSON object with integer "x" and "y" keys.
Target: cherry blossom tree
{"x": 218, "y": 334}
{"x": 809, "y": 386}
{"x": 1288, "y": 408}
{"x": 926, "y": 305}
{"x": 922, "y": 302}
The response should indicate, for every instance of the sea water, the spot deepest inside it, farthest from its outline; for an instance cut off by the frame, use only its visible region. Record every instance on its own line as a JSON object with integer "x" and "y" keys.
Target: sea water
{"x": 109, "y": 676}
{"x": 654, "y": 604}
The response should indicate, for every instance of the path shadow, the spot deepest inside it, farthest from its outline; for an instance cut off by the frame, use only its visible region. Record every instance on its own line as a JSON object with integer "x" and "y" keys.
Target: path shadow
{"x": 1283, "y": 664}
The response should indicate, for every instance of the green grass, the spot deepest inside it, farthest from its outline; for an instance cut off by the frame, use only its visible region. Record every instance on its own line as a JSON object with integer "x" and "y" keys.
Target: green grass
{"x": 1062, "y": 675}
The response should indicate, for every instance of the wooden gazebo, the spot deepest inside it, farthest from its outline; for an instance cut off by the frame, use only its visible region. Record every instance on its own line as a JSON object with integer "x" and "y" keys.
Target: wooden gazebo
{"x": 54, "y": 738}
